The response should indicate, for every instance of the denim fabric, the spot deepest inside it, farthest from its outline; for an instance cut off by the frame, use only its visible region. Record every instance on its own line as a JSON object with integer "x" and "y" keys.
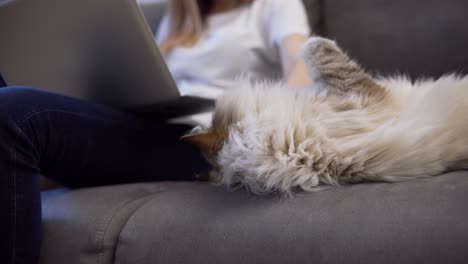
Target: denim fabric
{"x": 78, "y": 144}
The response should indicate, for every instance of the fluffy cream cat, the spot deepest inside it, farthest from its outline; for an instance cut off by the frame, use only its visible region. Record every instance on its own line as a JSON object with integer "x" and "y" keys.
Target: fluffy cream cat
{"x": 350, "y": 128}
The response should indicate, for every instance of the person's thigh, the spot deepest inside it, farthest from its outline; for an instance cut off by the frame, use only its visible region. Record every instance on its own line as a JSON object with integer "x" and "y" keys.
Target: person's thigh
{"x": 78, "y": 143}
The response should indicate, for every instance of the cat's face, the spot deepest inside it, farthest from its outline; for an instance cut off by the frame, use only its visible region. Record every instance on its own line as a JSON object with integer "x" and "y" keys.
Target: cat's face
{"x": 210, "y": 141}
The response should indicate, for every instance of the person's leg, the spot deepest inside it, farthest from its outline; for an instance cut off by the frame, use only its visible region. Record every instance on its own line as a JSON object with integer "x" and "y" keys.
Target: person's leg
{"x": 77, "y": 144}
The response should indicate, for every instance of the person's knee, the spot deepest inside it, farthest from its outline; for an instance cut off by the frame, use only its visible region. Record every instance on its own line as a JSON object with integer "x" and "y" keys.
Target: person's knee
{"x": 16, "y": 94}
{"x": 17, "y": 102}
{"x": 17, "y": 105}
{"x": 21, "y": 96}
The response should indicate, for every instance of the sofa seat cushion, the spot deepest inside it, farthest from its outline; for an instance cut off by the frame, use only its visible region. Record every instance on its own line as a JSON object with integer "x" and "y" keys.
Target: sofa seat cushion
{"x": 423, "y": 221}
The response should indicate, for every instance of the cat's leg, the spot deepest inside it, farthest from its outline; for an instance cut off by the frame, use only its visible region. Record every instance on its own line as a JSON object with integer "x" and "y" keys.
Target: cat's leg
{"x": 331, "y": 69}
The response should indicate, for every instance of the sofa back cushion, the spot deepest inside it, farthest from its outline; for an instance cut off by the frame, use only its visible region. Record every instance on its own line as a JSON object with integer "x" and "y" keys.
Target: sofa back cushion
{"x": 154, "y": 10}
{"x": 419, "y": 38}
{"x": 313, "y": 8}
{"x": 414, "y": 37}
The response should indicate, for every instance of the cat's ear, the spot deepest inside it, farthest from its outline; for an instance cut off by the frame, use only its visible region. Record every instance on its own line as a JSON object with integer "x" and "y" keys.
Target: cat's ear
{"x": 205, "y": 141}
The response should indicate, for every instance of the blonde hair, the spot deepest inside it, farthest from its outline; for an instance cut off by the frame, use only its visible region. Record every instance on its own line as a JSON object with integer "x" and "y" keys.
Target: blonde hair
{"x": 187, "y": 22}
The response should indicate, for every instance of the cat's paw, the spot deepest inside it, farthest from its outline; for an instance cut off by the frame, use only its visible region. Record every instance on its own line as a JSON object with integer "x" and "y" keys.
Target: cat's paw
{"x": 323, "y": 57}
{"x": 332, "y": 69}
{"x": 317, "y": 48}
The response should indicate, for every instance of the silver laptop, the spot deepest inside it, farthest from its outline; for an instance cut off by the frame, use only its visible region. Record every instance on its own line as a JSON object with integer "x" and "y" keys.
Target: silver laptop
{"x": 97, "y": 50}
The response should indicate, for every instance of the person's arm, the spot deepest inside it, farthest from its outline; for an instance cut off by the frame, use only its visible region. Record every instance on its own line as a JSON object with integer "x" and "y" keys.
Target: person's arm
{"x": 294, "y": 68}
{"x": 289, "y": 29}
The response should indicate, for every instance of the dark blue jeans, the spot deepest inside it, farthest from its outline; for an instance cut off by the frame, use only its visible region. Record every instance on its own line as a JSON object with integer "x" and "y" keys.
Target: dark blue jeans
{"x": 78, "y": 144}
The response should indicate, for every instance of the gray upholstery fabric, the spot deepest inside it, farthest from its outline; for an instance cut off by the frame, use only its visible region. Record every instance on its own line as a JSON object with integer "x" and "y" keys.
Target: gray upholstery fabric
{"x": 153, "y": 12}
{"x": 423, "y": 221}
{"x": 83, "y": 226}
{"x": 419, "y": 38}
{"x": 313, "y": 8}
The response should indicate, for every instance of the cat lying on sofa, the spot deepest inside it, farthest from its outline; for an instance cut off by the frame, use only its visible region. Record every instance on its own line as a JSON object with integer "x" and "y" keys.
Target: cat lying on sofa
{"x": 349, "y": 128}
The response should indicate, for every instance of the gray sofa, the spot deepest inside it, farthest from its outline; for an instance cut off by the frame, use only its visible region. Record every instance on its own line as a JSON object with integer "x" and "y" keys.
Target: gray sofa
{"x": 424, "y": 221}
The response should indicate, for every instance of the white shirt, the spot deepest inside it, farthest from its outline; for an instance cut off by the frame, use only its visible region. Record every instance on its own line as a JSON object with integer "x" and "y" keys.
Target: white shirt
{"x": 242, "y": 41}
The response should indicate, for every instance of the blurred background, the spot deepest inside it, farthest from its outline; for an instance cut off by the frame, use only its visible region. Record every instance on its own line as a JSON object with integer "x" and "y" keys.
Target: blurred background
{"x": 413, "y": 37}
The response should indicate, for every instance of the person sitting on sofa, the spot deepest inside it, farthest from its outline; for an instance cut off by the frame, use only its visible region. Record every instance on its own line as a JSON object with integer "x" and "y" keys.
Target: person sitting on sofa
{"x": 78, "y": 144}
{"x": 262, "y": 38}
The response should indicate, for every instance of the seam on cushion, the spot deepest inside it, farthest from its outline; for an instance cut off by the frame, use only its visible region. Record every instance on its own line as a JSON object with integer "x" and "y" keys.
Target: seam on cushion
{"x": 13, "y": 173}
{"x": 126, "y": 222}
{"x": 123, "y": 205}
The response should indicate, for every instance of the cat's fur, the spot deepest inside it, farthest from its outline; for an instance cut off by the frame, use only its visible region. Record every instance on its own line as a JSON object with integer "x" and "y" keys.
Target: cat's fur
{"x": 350, "y": 128}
